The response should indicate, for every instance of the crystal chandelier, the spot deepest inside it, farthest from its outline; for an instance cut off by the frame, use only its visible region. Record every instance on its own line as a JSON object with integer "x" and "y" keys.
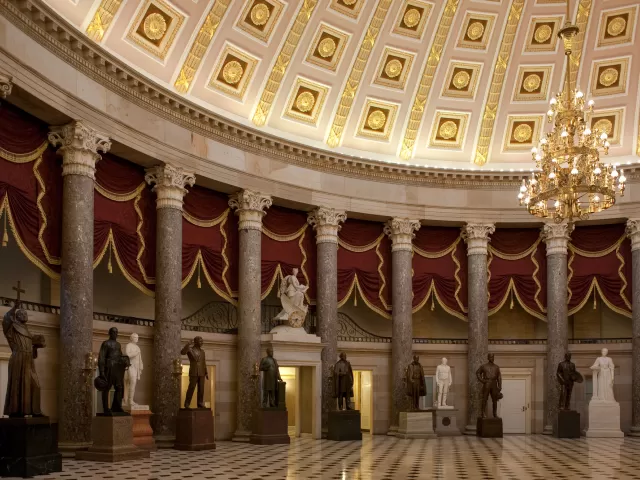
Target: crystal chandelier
{"x": 570, "y": 181}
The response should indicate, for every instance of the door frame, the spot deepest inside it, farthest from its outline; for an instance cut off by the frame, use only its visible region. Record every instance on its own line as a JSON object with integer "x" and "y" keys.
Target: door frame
{"x": 370, "y": 370}
{"x": 525, "y": 374}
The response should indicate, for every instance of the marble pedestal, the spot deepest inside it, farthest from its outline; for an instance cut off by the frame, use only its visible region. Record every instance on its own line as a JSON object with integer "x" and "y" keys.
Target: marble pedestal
{"x": 604, "y": 419}
{"x": 416, "y": 425}
{"x": 489, "y": 427}
{"x": 270, "y": 427}
{"x": 28, "y": 447}
{"x": 194, "y": 429}
{"x": 142, "y": 431}
{"x": 112, "y": 440}
{"x": 568, "y": 424}
{"x": 344, "y": 425}
{"x": 444, "y": 422}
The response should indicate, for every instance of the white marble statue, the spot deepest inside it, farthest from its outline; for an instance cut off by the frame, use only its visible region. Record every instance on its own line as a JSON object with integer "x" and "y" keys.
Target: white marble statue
{"x": 291, "y": 295}
{"x": 444, "y": 380}
{"x": 603, "y": 376}
{"x": 132, "y": 374}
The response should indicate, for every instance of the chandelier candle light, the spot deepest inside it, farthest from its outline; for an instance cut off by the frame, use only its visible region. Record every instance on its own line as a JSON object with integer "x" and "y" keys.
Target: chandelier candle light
{"x": 570, "y": 181}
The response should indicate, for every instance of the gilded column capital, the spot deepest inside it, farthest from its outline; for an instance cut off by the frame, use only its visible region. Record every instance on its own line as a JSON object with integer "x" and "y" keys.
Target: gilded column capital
{"x": 401, "y": 231}
{"x": 327, "y": 223}
{"x": 250, "y": 207}
{"x": 633, "y": 232}
{"x": 5, "y": 85}
{"x": 79, "y": 146}
{"x": 170, "y": 184}
{"x": 557, "y": 236}
{"x": 476, "y": 236}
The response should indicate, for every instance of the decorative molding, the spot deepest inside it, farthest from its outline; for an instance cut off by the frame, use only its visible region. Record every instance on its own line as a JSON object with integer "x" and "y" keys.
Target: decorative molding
{"x": 79, "y": 146}
{"x": 5, "y": 85}
{"x": 633, "y": 232}
{"x": 250, "y": 207}
{"x": 170, "y": 183}
{"x": 557, "y": 237}
{"x": 327, "y": 223}
{"x": 101, "y": 20}
{"x": 497, "y": 81}
{"x": 401, "y": 231}
{"x": 357, "y": 71}
{"x": 476, "y": 236}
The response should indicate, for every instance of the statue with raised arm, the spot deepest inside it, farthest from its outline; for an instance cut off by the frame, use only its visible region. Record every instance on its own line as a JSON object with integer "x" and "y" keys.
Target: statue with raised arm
{"x": 132, "y": 375}
{"x": 443, "y": 381}
{"x": 270, "y": 380}
{"x": 291, "y": 295}
{"x": 343, "y": 382}
{"x": 567, "y": 375}
{"x": 603, "y": 378}
{"x": 416, "y": 386}
{"x": 491, "y": 379}
{"x": 111, "y": 367}
{"x": 197, "y": 371}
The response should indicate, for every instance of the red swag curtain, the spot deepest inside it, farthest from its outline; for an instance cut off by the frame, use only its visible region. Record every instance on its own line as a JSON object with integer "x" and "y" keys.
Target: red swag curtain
{"x": 517, "y": 270}
{"x": 600, "y": 261}
{"x": 440, "y": 270}
{"x": 30, "y": 188}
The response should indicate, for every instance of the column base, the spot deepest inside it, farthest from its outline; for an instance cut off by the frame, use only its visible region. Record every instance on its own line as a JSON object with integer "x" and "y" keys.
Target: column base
{"x": 241, "y": 436}
{"x": 393, "y": 431}
{"x": 634, "y": 432}
{"x": 548, "y": 430}
{"x": 165, "y": 441}
{"x": 69, "y": 449}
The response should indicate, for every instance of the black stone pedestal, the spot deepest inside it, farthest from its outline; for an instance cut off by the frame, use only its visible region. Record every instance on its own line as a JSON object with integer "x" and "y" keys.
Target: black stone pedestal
{"x": 270, "y": 427}
{"x": 568, "y": 425}
{"x": 489, "y": 427}
{"x": 194, "y": 429}
{"x": 344, "y": 425}
{"x": 28, "y": 447}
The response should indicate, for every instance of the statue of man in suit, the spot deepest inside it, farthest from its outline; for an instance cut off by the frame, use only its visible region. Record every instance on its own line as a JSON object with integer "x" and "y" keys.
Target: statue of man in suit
{"x": 197, "y": 370}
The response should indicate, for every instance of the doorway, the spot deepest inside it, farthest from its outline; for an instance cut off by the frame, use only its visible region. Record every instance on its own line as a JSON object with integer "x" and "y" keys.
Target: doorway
{"x": 299, "y": 399}
{"x": 515, "y": 406}
{"x": 363, "y": 398}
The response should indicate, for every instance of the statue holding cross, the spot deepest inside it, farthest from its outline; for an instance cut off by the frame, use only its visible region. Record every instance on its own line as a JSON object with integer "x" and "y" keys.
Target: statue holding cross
{"x": 23, "y": 388}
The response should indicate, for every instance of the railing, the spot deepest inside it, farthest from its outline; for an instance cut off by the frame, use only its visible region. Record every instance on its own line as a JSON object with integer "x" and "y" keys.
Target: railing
{"x": 31, "y": 306}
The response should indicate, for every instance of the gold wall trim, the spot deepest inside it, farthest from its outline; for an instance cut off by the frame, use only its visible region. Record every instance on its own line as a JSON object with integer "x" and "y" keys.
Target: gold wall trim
{"x": 497, "y": 81}
{"x": 200, "y": 45}
{"x": 582, "y": 20}
{"x": 355, "y": 76}
{"x": 101, "y": 20}
{"x": 426, "y": 81}
{"x": 282, "y": 62}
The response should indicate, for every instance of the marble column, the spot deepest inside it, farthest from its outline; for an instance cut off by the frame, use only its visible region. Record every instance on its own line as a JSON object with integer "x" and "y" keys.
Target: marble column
{"x": 5, "y": 85}
{"x": 327, "y": 223}
{"x": 79, "y": 146}
{"x": 250, "y": 207}
{"x": 476, "y": 235}
{"x": 556, "y": 236}
{"x": 169, "y": 185}
{"x": 633, "y": 232}
{"x": 401, "y": 232}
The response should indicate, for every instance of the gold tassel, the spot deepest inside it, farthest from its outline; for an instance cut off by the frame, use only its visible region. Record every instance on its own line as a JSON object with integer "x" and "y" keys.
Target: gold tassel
{"x": 595, "y": 303}
{"x": 511, "y": 306}
{"x": 433, "y": 294}
{"x": 199, "y": 283}
{"x": 109, "y": 266}
{"x": 5, "y": 235}
{"x": 355, "y": 297}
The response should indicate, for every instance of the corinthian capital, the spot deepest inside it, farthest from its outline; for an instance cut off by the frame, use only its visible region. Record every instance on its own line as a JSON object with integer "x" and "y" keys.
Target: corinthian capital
{"x": 401, "y": 231}
{"x": 327, "y": 223}
{"x": 5, "y": 85}
{"x": 633, "y": 232}
{"x": 79, "y": 146}
{"x": 169, "y": 184}
{"x": 557, "y": 236}
{"x": 476, "y": 236}
{"x": 250, "y": 207}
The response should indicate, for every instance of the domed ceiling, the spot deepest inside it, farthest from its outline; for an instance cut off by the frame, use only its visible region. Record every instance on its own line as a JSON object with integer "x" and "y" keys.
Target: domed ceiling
{"x": 454, "y": 83}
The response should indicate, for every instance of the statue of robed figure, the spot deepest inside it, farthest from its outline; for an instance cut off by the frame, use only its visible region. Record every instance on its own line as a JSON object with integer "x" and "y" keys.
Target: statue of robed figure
{"x": 270, "y": 380}
{"x": 416, "y": 386}
{"x": 111, "y": 366}
{"x": 343, "y": 382}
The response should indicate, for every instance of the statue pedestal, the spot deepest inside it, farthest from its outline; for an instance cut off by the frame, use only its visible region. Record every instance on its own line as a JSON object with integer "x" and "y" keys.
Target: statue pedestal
{"x": 286, "y": 333}
{"x": 270, "y": 427}
{"x": 604, "y": 419}
{"x": 445, "y": 422}
{"x": 28, "y": 447}
{"x": 489, "y": 427}
{"x": 416, "y": 424}
{"x": 344, "y": 425}
{"x": 568, "y": 425}
{"x": 194, "y": 429}
{"x": 142, "y": 431}
{"x": 112, "y": 440}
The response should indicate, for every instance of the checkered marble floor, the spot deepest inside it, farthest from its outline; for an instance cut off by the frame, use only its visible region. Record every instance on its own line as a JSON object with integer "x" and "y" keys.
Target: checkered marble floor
{"x": 383, "y": 458}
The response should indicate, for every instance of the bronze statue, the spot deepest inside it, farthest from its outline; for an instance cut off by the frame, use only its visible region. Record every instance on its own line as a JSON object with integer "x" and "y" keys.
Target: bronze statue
{"x": 567, "y": 375}
{"x": 270, "y": 380}
{"x": 23, "y": 388}
{"x": 111, "y": 367}
{"x": 343, "y": 382}
{"x": 489, "y": 375}
{"x": 197, "y": 371}
{"x": 416, "y": 386}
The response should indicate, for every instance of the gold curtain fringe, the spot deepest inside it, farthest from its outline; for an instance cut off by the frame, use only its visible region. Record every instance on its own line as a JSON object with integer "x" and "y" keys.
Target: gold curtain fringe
{"x": 623, "y": 278}
{"x": 24, "y": 157}
{"x": 304, "y": 262}
{"x": 207, "y": 276}
{"x": 355, "y": 284}
{"x": 43, "y": 216}
{"x": 277, "y": 275}
{"x": 512, "y": 292}
{"x": 283, "y": 238}
{"x": 360, "y": 249}
{"x": 601, "y": 253}
{"x": 457, "y": 277}
{"x": 223, "y": 232}
{"x": 136, "y": 206}
{"x": 515, "y": 256}
{"x": 119, "y": 197}
{"x": 596, "y": 286}
{"x": 205, "y": 223}
{"x": 441, "y": 253}
{"x": 383, "y": 282}
{"x": 5, "y": 235}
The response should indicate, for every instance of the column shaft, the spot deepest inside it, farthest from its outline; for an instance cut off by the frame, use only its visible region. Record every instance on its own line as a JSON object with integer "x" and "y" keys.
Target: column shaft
{"x": 633, "y": 232}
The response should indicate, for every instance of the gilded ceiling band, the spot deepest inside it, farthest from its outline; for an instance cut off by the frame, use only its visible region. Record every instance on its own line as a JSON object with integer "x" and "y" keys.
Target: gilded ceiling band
{"x": 582, "y": 20}
{"x": 102, "y": 19}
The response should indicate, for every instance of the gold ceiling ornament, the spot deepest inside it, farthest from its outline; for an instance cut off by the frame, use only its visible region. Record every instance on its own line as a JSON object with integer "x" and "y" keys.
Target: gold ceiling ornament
{"x": 542, "y": 33}
{"x": 475, "y": 30}
{"x": 327, "y": 47}
{"x": 448, "y": 130}
{"x": 393, "y": 68}
{"x": 260, "y": 14}
{"x": 582, "y": 21}
{"x": 608, "y": 77}
{"x": 522, "y": 133}
{"x": 376, "y": 120}
{"x": 570, "y": 182}
{"x": 616, "y": 26}
{"x": 155, "y": 26}
{"x": 603, "y": 125}
{"x": 349, "y": 2}
{"x": 461, "y": 79}
{"x": 101, "y": 20}
{"x": 232, "y": 72}
{"x": 305, "y": 102}
{"x": 532, "y": 82}
{"x": 412, "y": 17}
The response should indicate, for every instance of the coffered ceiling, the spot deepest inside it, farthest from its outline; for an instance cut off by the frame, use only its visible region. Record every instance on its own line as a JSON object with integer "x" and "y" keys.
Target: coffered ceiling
{"x": 452, "y": 83}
